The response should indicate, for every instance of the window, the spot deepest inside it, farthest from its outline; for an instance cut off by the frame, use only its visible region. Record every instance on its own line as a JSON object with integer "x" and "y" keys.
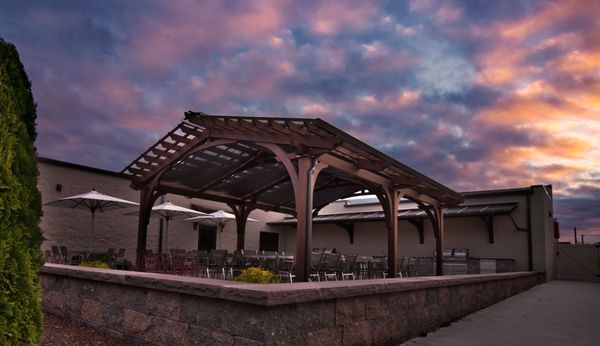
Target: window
{"x": 207, "y": 237}
{"x": 269, "y": 241}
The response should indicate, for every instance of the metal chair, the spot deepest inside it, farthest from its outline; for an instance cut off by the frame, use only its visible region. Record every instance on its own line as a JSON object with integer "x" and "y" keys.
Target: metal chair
{"x": 331, "y": 269}
{"x": 347, "y": 267}
{"x": 286, "y": 270}
{"x": 402, "y": 262}
{"x": 378, "y": 268}
{"x": 218, "y": 262}
{"x": 316, "y": 260}
{"x": 57, "y": 258}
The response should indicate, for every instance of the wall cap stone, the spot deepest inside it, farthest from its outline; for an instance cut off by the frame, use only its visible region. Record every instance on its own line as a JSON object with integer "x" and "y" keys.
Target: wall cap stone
{"x": 273, "y": 294}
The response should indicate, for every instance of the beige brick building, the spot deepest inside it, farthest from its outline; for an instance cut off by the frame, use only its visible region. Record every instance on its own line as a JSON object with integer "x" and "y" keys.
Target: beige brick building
{"x": 515, "y": 224}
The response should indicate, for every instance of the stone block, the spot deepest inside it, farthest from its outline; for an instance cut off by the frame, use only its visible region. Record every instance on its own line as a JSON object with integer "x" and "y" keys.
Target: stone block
{"x": 444, "y": 295}
{"x": 431, "y": 297}
{"x": 91, "y": 312}
{"x": 131, "y": 298}
{"x": 53, "y": 301}
{"x": 349, "y": 310}
{"x": 164, "y": 304}
{"x": 200, "y": 335}
{"x": 204, "y": 311}
{"x": 330, "y": 336}
{"x": 139, "y": 325}
{"x": 113, "y": 317}
{"x": 416, "y": 299}
{"x": 247, "y": 321}
{"x": 154, "y": 330}
{"x": 390, "y": 331}
{"x": 73, "y": 305}
{"x": 392, "y": 304}
{"x": 290, "y": 324}
{"x": 358, "y": 333}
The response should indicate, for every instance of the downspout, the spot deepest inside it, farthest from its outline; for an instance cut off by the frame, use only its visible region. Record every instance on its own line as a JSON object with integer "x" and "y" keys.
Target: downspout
{"x": 529, "y": 233}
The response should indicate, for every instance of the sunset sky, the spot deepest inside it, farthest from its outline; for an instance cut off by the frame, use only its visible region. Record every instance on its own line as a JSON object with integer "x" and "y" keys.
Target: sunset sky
{"x": 475, "y": 94}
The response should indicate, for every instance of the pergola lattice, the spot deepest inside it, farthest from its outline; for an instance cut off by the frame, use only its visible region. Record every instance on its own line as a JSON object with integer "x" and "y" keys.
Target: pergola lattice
{"x": 289, "y": 165}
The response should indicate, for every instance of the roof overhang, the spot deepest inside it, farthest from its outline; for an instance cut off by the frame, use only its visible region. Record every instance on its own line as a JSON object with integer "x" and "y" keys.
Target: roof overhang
{"x": 408, "y": 214}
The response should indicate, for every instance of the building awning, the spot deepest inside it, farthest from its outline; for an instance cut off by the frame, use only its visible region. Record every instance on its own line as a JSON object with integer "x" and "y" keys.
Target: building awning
{"x": 455, "y": 211}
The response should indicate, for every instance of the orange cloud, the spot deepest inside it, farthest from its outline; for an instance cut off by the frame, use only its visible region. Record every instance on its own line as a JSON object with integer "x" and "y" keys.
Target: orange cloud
{"x": 554, "y": 14}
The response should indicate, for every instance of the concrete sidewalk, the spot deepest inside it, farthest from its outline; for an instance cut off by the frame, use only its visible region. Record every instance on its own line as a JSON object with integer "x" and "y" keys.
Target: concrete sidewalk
{"x": 554, "y": 313}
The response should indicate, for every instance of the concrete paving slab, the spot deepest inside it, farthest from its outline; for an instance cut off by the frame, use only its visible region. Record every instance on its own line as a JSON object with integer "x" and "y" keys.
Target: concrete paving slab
{"x": 554, "y": 313}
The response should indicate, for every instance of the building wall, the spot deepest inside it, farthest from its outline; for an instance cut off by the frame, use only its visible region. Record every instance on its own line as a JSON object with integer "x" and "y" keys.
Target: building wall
{"x": 112, "y": 229}
{"x": 71, "y": 227}
{"x": 510, "y": 239}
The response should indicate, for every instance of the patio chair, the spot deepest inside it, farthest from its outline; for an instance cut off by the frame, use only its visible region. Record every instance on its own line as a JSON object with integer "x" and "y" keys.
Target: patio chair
{"x": 218, "y": 262}
{"x": 286, "y": 270}
{"x": 203, "y": 263}
{"x": 177, "y": 263}
{"x": 402, "y": 266}
{"x": 64, "y": 253}
{"x": 109, "y": 257}
{"x": 347, "y": 267}
{"x": 120, "y": 258}
{"x": 56, "y": 256}
{"x": 316, "y": 260}
{"x": 237, "y": 264}
{"x": 331, "y": 269}
{"x": 378, "y": 268}
{"x": 251, "y": 257}
{"x": 150, "y": 261}
{"x": 190, "y": 265}
{"x": 269, "y": 260}
{"x": 413, "y": 266}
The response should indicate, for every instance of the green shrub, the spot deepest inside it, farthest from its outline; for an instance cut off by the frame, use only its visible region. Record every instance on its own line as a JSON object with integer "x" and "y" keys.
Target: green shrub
{"x": 94, "y": 264}
{"x": 20, "y": 207}
{"x": 257, "y": 276}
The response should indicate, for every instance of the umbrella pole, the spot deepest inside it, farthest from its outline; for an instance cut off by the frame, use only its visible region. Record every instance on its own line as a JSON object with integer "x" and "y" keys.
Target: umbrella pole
{"x": 166, "y": 241}
{"x": 92, "y": 235}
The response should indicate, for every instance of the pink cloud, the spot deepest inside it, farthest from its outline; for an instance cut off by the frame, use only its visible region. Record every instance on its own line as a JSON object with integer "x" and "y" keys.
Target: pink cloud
{"x": 189, "y": 28}
{"x": 332, "y": 17}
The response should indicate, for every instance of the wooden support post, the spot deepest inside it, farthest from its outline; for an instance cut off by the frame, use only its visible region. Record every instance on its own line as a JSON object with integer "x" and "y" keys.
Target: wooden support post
{"x": 304, "y": 201}
{"x": 437, "y": 222}
{"x": 439, "y": 241}
{"x": 241, "y": 213}
{"x": 393, "y": 235}
{"x": 389, "y": 200}
{"x": 147, "y": 198}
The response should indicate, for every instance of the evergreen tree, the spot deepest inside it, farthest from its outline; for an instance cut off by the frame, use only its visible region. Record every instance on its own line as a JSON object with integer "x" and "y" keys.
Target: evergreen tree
{"x": 20, "y": 206}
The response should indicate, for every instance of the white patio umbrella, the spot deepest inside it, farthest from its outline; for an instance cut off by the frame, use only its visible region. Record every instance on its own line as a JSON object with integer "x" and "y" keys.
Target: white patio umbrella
{"x": 170, "y": 211}
{"x": 94, "y": 201}
{"x": 218, "y": 218}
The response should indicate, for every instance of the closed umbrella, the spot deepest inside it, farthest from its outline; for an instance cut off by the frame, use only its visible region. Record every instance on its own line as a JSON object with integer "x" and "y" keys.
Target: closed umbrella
{"x": 170, "y": 211}
{"x": 94, "y": 201}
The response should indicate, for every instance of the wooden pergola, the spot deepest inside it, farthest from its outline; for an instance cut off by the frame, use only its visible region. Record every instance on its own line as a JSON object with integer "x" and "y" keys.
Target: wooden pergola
{"x": 289, "y": 165}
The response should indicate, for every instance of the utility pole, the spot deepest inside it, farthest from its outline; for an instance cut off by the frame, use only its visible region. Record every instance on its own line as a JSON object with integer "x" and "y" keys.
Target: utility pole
{"x": 575, "y": 234}
{"x": 583, "y": 235}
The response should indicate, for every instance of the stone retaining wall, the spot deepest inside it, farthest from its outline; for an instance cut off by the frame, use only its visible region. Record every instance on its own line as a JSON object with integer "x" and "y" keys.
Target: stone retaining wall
{"x": 170, "y": 310}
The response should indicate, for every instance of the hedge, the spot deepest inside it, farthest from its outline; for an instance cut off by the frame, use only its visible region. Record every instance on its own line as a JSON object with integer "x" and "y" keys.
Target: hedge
{"x": 20, "y": 207}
